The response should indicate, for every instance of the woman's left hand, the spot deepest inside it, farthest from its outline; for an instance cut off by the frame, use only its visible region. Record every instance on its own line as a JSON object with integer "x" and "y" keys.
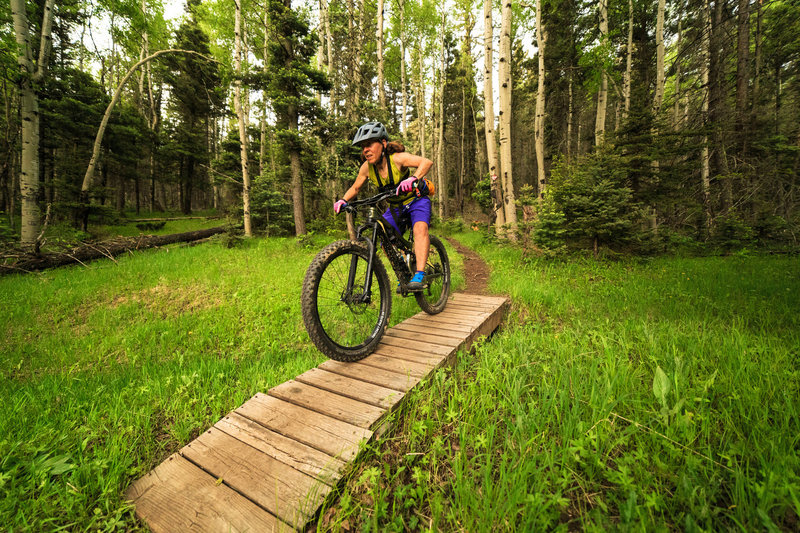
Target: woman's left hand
{"x": 406, "y": 185}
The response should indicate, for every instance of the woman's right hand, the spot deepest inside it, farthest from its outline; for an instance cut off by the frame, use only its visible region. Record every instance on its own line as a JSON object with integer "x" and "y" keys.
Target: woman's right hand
{"x": 337, "y": 206}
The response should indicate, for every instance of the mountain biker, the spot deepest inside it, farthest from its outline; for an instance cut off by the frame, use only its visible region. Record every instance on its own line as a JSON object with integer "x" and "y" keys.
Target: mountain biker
{"x": 386, "y": 164}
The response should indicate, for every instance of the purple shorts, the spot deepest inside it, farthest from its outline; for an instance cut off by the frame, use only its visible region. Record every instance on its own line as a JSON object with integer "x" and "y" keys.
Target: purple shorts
{"x": 418, "y": 210}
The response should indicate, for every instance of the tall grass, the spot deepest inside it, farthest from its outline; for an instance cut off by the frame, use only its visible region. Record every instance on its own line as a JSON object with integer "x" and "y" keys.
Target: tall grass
{"x": 648, "y": 395}
{"x": 106, "y": 370}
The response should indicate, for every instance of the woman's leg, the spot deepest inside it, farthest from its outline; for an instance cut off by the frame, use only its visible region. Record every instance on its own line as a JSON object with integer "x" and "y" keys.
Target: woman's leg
{"x": 422, "y": 244}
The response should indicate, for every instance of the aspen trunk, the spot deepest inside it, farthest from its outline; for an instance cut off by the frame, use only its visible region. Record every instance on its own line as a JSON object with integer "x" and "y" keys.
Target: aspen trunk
{"x": 488, "y": 102}
{"x": 602, "y": 95}
{"x": 541, "y": 41}
{"x": 379, "y": 37}
{"x": 30, "y": 76}
{"x": 676, "y": 116}
{"x": 505, "y": 120}
{"x": 742, "y": 73}
{"x": 404, "y": 125}
{"x": 440, "y": 149}
{"x": 626, "y": 81}
{"x": 705, "y": 178}
{"x": 421, "y": 105}
{"x": 658, "y": 98}
{"x": 242, "y": 118}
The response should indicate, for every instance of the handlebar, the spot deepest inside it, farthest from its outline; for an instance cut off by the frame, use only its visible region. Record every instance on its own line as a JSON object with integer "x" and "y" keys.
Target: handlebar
{"x": 353, "y": 206}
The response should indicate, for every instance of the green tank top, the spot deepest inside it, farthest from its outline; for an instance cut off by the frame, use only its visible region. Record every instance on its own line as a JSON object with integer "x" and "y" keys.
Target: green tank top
{"x": 394, "y": 178}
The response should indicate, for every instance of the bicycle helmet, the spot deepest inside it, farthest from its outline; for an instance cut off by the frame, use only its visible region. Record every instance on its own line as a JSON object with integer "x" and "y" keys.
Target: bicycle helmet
{"x": 371, "y": 131}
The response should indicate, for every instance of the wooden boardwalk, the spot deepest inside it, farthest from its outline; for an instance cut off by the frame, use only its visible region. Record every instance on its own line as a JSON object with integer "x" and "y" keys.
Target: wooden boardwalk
{"x": 268, "y": 465}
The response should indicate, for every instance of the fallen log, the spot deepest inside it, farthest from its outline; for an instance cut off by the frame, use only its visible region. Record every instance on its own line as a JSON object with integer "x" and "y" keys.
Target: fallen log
{"x": 29, "y": 262}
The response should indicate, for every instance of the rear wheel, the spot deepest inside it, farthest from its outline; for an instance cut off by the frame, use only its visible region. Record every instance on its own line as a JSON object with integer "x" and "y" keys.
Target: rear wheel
{"x": 433, "y": 298}
{"x": 345, "y": 324}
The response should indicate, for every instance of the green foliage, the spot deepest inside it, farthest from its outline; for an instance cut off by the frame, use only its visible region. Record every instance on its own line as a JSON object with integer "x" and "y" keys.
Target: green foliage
{"x": 483, "y": 195}
{"x": 549, "y": 231}
{"x": 595, "y": 199}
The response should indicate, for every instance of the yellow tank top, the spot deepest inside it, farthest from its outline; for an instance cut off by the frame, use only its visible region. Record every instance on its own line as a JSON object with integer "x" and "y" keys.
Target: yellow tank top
{"x": 394, "y": 172}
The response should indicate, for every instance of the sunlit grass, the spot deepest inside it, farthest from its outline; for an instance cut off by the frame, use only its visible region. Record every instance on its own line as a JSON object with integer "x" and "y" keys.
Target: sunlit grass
{"x": 657, "y": 394}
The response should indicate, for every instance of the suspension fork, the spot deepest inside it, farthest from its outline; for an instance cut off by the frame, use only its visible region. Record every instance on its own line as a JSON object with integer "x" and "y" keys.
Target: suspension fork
{"x": 366, "y": 295}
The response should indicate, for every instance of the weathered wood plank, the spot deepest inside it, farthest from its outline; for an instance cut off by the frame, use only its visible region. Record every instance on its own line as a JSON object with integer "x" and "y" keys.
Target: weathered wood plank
{"x": 179, "y": 496}
{"x": 424, "y": 321}
{"x": 471, "y": 314}
{"x": 362, "y": 391}
{"x": 449, "y": 319}
{"x": 479, "y": 298}
{"x": 437, "y": 349}
{"x": 393, "y": 380}
{"x": 427, "y": 337}
{"x": 285, "y": 492}
{"x": 336, "y": 406}
{"x": 327, "y": 434}
{"x": 393, "y": 364}
{"x": 420, "y": 327}
{"x": 299, "y": 456}
{"x": 408, "y": 354}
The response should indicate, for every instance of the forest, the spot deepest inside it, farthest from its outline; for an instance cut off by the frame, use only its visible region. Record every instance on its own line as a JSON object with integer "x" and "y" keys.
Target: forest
{"x": 633, "y": 126}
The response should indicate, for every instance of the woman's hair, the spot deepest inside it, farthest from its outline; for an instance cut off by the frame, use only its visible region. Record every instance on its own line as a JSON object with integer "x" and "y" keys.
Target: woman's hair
{"x": 394, "y": 147}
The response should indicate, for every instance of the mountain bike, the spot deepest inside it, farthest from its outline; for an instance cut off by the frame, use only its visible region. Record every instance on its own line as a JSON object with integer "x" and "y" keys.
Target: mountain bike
{"x": 347, "y": 296}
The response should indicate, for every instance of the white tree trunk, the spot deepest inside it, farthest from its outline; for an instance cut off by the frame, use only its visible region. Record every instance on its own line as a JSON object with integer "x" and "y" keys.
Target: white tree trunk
{"x": 541, "y": 41}
{"x": 30, "y": 76}
{"x": 421, "y": 105}
{"x": 440, "y": 149}
{"x": 602, "y": 95}
{"x": 705, "y": 177}
{"x": 626, "y": 82}
{"x": 676, "y": 111}
{"x": 404, "y": 93}
{"x": 242, "y": 116}
{"x": 506, "y": 174}
{"x": 658, "y": 99}
{"x": 488, "y": 106}
{"x": 379, "y": 37}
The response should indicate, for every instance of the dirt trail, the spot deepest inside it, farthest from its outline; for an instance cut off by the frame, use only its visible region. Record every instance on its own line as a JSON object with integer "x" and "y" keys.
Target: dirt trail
{"x": 476, "y": 271}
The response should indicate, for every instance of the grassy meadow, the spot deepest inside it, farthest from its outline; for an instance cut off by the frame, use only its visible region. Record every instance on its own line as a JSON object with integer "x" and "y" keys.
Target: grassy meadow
{"x": 641, "y": 394}
{"x": 106, "y": 370}
{"x": 647, "y": 395}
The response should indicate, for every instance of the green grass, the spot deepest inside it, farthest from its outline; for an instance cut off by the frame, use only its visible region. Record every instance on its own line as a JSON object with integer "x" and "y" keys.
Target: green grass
{"x": 648, "y": 395}
{"x": 106, "y": 370}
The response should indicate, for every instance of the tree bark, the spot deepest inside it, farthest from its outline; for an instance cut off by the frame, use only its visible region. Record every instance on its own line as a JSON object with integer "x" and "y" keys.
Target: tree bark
{"x": 658, "y": 98}
{"x": 404, "y": 125}
{"x": 297, "y": 179}
{"x": 379, "y": 38}
{"x": 440, "y": 149}
{"x": 488, "y": 105}
{"x": 742, "y": 74}
{"x": 705, "y": 179}
{"x": 505, "y": 120}
{"x": 242, "y": 118}
{"x": 602, "y": 94}
{"x": 30, "y": 75}
{"x": 541, "y": 41}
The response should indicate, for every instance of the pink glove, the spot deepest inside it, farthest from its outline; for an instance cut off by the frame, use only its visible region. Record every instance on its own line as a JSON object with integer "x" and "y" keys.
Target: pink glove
{"x": 406, "y": 185}
{"x": 337, "y": 206}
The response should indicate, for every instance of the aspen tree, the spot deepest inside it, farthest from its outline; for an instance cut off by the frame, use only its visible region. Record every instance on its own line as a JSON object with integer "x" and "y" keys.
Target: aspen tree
{"x": 379, "y": 38}
{"x": 31, "y": 74}
{"x": 541, "y": 41}
{"x": 238, "y": 36}
{"x": 602, "y": 94}
{"x": 505, "y": 119}
{"x": 488, "y": 106}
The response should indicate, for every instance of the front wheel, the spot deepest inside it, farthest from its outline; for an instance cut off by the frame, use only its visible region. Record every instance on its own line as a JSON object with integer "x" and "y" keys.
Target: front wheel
{"x": 343, "y": 322}
{"x": 433, "y": 298}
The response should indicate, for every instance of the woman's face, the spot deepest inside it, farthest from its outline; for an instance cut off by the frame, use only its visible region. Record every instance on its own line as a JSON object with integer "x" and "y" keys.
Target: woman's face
{"x": 371, "y": 150}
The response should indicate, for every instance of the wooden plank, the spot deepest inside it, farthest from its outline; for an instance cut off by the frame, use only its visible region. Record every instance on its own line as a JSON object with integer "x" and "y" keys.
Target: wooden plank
{"x": 179, "y": 496}
{"x": 370, "y": 393}
{"x": 428, "y": 328}
{"x": 327, "y": 434}
{"x": 479, "y": 298}
{"x": 450, "y": 320}
{"x": 393, "y": 380}
{"x": 428, "y": 337}
{"x": 437, "y": 349}
{"x": 397, "y": 365}
{"x": 431, "y": 322}
{"x": 462, "y": 304}
{"x": 299, "y": 456}
{"x": 472, "y": 314}
{"x": 336, "y": 406}
{"x": 406, "y": 354}
{"x": 285, "y": 492}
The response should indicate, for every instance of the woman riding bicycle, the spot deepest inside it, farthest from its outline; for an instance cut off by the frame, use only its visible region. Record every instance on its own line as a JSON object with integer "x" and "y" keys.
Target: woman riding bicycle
{"x": 386, "y": 164}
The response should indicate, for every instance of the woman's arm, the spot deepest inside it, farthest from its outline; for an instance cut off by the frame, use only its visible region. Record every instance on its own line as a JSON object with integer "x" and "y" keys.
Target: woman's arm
{"x": 406, "y": 160}
{"x": 361, "y": 179}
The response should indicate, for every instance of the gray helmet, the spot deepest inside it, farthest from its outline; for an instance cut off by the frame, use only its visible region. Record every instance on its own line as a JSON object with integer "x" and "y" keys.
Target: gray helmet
{"x": 371, "y": 131}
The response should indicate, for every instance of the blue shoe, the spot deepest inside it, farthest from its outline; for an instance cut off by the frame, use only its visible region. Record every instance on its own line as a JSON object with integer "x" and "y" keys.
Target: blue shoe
{"x": 417, "y": 283}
